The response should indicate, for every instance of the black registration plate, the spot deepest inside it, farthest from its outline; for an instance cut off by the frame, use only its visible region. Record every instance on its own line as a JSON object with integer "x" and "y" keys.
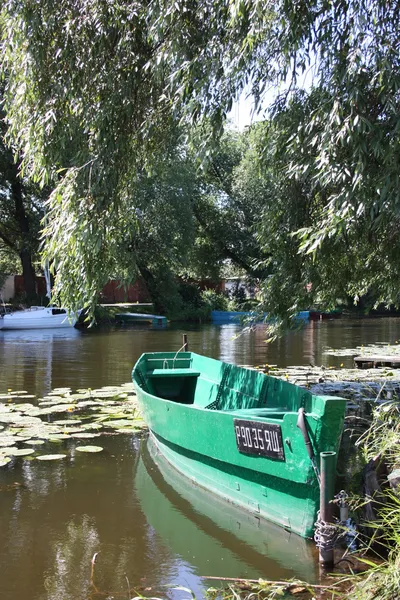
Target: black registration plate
{"x": 261, "y": 439}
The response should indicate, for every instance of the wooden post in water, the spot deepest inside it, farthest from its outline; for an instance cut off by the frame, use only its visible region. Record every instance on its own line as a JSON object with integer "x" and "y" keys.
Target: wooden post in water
{"x": 327, "y": 491}
{"x": 185, "y": 343}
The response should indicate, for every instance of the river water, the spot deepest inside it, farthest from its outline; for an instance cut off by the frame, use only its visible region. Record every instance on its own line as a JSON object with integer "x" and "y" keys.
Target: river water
{"x": 146, "y": 526}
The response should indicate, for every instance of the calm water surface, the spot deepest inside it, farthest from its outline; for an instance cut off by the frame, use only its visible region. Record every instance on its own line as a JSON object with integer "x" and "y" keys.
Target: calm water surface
{"x": 148, "y": 526}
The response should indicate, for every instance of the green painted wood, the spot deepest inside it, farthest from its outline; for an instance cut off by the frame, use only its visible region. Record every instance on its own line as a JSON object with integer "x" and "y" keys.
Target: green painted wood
{"x": 173, "y": 373}
{"x": 182, "y": 514}
{"x": 193, "y": 422}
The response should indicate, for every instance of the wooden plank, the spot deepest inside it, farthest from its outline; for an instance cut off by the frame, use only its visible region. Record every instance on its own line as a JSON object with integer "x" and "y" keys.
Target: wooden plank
{"x": 373, "y": 361}
{"x": 173, "y": 373}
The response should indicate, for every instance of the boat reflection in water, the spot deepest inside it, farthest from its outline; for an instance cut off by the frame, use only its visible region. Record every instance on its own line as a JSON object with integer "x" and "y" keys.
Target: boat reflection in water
{"x": 215, "y": 537}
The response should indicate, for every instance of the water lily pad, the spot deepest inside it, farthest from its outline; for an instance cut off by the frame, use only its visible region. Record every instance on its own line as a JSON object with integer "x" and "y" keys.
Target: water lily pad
{"x": 103, "y": 394}
{"x": 58, "y": 408}
{"x": 34, "y": 442}
{"x": 88, "y": 403}
{"x": 43, "y": 431}
{"x": 84, "y": 435}
{"x": 89, "y": 448}
{"x": 51, "y": 457}
{"x": 54, "y": 401}
{"x": 5, "y": 442}
{"x": 19, "y": 451}
{"x": 72, "y": 430}
{"x": 27, "y": 407}
{"x": 4, "y": 460}
{"x": 119, "y": 423}
{"x": 92, "y": 426}
{"x": 67, "y": 422}
{"x": 77, "y": 397}
{"x": 17, "y": 419}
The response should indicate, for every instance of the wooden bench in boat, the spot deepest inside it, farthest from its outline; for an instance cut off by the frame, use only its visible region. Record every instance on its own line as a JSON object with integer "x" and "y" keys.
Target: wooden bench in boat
{"x": 173, "y": 373}
{"x": 272, "y": 412}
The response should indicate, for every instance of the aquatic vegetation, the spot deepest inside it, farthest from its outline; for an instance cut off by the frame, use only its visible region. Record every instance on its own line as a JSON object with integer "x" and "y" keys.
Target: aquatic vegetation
{"x": 90, "y": 413}
{"x": 378, "y": 348}
{"x": 45, "y": 457}
{"x": 17, "y": 451}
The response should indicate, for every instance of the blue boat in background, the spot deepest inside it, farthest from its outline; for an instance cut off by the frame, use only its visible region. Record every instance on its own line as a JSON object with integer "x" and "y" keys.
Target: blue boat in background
{"x": 223, "y": 317}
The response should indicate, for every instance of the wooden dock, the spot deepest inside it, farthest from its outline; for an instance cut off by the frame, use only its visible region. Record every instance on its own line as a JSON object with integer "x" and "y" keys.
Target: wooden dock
{"x": 374, "y": 361}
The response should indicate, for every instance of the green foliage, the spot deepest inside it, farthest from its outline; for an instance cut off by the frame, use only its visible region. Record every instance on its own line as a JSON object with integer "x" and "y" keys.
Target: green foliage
{"x": 94, "y": 91}
{"x": 190, "y": 305}
{"x": 215, "y": 300}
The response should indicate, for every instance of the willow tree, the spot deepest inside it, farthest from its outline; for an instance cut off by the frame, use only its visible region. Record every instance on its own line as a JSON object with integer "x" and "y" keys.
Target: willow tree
{"x": 94, "y": 86}
{"x": 21, "y": 210}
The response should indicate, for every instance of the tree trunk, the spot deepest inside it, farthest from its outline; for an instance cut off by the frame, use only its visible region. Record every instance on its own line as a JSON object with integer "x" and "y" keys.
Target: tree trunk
{"x": 25, "y": 255}
{"x": 157, "y": 298}
{"x": 28, "y": 273}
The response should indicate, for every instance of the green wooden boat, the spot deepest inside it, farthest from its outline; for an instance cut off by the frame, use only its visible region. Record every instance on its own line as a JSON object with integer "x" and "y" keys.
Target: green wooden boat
{"x": 222, "y": 539}
{"x": 250, "y": 438}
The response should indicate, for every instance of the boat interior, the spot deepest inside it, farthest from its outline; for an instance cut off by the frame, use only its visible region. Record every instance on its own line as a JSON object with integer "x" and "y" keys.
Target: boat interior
{"x": 188, "y": 378}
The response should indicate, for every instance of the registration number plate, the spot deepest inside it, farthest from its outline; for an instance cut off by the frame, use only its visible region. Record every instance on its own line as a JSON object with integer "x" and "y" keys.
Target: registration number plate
{"x": 261, "y": 439}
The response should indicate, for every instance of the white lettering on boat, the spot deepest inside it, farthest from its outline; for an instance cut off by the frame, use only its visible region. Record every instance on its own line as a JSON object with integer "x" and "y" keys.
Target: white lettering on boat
{"x": 275, "y": 441}
{"x": 255, "y": 437}
{"x": 258, "y": 438}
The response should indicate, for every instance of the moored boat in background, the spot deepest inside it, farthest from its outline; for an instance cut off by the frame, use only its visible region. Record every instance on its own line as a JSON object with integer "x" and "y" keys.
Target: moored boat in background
{"x": 129, "y": 317}
{"x": 38, "y": 317}
{"x": 250, "y": 438}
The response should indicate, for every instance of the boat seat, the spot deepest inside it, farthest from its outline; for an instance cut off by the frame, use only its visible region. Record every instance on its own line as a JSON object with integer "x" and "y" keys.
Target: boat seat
{"x": 260, "y": 412}
{"x": 173, "y": 373}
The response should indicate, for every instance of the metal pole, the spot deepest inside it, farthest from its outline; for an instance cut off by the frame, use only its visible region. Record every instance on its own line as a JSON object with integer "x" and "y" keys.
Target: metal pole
{"x": 327, "y": 491}
{"x": 185, "y": 343}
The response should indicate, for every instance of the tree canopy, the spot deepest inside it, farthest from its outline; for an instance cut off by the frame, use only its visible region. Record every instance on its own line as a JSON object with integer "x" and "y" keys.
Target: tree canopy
{"x": 94, "y": 90}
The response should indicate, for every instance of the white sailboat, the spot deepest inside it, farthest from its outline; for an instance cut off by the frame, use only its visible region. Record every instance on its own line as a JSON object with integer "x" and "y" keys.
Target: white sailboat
{"x": 40, "y": 317}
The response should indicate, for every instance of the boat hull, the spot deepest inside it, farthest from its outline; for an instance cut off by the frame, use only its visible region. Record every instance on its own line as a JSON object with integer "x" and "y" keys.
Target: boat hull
{"x": 192, "y": 526}
{"x": 139, "y": 318}
{"x": 205, "y": 442}
{"x": 40, "y": 318}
